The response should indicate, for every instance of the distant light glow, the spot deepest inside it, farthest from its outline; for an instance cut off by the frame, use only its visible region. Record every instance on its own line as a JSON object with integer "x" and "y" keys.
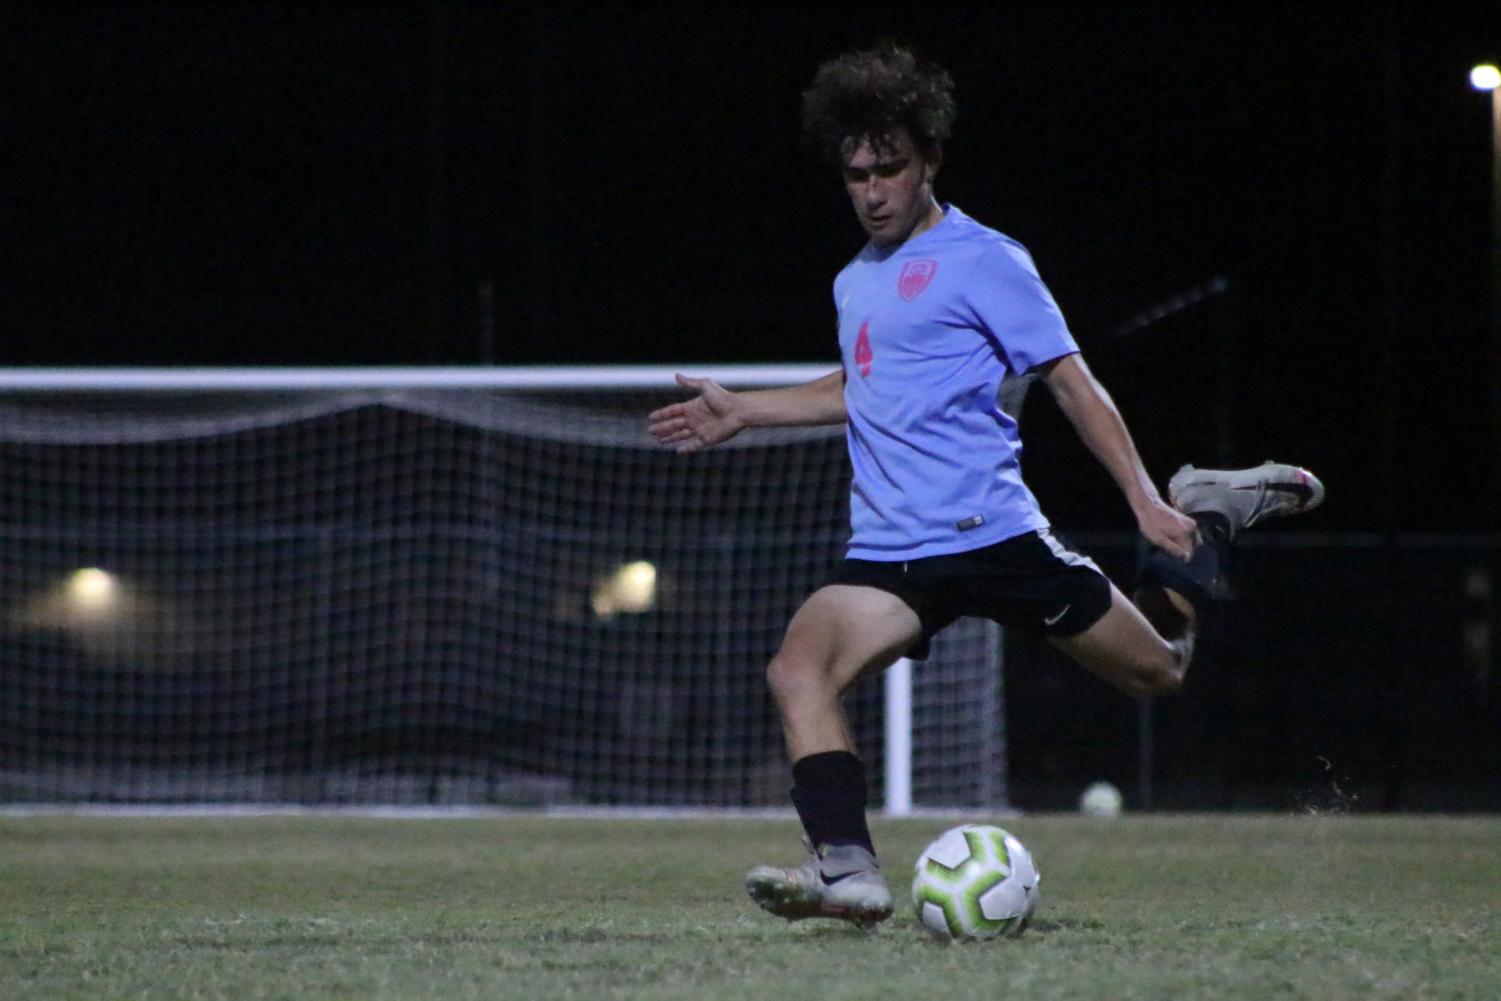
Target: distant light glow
{"x": 631, "y": 588}
{"x": 1485, "y": 77}
{"x": 92, "y": 590}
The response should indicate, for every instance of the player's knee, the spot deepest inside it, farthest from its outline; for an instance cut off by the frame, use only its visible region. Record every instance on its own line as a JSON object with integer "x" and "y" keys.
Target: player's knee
{"x": 793, "y": 677}
{"x": 1163, "y": 683}
{"x": 1158, "y": 673}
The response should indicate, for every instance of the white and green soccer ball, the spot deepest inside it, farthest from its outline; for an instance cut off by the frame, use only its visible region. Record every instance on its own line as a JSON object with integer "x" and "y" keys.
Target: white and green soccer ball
{"x": 975, "y": 882}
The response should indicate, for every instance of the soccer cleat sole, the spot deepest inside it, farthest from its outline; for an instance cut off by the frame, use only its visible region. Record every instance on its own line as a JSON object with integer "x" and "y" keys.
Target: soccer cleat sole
{"x": 777, "y": 892}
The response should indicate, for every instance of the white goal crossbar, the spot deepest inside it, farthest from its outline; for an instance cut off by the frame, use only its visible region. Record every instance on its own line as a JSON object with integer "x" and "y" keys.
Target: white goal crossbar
{"x": 583, "y": 377}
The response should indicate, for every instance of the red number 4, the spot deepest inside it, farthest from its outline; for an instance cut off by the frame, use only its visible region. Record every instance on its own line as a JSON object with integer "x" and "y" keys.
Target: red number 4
{"x": 863, "y": 355}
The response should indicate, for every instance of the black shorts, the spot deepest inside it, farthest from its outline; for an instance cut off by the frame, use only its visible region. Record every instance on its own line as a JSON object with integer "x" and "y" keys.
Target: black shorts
{"x": 1027, "y": 582}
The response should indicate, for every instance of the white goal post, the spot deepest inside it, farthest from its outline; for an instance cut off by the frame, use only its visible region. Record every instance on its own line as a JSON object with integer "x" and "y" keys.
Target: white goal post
{"x": 431, "y": 586}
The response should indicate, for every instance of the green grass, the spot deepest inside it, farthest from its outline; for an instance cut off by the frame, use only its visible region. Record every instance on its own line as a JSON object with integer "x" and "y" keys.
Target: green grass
{"x": 537, "y": 908}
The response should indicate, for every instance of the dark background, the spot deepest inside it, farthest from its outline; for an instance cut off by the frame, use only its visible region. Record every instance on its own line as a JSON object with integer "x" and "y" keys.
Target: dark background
{"x": 431, "y": 184}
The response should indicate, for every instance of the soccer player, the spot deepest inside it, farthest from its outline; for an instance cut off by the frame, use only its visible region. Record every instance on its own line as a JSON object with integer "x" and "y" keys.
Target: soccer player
{"x": 934, "y": 312}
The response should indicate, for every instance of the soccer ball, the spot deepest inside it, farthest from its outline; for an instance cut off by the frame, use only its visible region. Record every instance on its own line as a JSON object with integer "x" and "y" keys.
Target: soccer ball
{"x": 975, "y": 882}
{"x": 1101, "y": 799}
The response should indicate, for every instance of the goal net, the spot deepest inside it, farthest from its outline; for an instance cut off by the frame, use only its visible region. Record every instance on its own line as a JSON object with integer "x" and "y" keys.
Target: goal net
{"x": 449, "y": 587}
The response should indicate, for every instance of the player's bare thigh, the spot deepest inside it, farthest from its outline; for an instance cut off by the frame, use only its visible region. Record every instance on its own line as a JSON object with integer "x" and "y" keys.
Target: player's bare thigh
{"x": 840, "y": 632}
{"x": 1124, "y": 650}
{"x": 843, "y": 630}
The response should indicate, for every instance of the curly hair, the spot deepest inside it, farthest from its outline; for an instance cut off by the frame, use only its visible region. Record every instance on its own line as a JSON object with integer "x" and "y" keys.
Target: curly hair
{"x": 870, "y": 94}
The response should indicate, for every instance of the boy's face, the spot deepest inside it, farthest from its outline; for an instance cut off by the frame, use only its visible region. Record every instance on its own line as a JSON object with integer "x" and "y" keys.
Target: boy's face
{"x": 890, "y": 187}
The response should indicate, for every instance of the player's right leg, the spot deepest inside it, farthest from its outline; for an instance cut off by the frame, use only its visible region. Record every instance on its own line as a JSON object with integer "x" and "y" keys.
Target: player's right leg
{"x": 841, "y": 632}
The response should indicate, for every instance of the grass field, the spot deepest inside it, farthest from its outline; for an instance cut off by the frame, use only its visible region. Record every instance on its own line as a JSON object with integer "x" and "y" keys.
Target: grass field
{"x": 543, "y": 908}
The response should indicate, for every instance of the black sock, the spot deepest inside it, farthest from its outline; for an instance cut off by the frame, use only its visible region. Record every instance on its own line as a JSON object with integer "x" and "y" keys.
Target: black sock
{"x": 829, "y": 792}
{"x": 1204, "y": 579}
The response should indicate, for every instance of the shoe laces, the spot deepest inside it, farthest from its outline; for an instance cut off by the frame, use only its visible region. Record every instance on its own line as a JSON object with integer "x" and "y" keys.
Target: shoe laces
{"x": 814, "y": 850}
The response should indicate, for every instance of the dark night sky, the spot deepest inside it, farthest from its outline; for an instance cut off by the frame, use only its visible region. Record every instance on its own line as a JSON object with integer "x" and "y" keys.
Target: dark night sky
{"x": 255, "y": 184}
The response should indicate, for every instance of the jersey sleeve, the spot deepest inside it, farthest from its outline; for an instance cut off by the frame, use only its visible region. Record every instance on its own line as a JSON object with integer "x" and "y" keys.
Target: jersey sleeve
{"x": 1012, "y": 305}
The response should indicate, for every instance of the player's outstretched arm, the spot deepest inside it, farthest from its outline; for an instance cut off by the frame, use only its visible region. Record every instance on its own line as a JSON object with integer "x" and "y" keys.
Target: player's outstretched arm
{"x": 1094, "y": 416}
{"x": 716, "y": 415}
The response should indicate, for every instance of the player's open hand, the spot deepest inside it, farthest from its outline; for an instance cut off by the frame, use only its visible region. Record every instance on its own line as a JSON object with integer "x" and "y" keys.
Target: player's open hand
{"x": 708, "y": 419}
{"x": 1168, "y": 529}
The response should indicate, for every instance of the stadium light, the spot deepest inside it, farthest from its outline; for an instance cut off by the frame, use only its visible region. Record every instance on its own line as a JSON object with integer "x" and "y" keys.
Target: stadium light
{"x": 630, "y": 588}
{"x": 91, "y": 593}
{"x": 1485, "y": 77}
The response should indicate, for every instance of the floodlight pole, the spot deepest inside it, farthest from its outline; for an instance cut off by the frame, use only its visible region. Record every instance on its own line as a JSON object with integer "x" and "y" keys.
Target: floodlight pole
{"x": 1496, "y": 198}
{"x": 1487, "y": 77}
{"x": 1496, "y": 284}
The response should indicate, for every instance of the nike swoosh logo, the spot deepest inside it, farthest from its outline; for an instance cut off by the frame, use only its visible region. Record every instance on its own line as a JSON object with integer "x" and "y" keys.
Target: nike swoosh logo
{"x": 1054, "y": 620}
{"x": 831, "y": 880}
{"x": 1301, "y": 490}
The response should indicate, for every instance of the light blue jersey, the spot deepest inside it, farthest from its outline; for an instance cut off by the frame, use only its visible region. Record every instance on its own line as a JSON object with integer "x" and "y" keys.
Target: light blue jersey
{"x": 927, "y": 332}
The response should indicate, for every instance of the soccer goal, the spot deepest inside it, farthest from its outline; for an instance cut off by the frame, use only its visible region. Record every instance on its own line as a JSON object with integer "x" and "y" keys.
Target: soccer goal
{"x": 430, "y": 587}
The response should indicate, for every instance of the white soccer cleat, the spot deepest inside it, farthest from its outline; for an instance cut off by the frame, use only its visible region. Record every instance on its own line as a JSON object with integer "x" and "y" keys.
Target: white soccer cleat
{"x": 1246, "y": 496}
{"x": 838, "y": 881}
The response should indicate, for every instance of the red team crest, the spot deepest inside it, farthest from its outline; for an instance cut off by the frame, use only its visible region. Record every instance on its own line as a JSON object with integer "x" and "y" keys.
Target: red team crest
{"x": 915, "y": 278}
{"x": 864, "y": 356}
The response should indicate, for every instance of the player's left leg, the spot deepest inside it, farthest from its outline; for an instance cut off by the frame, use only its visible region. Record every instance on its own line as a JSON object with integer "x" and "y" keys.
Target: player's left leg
{"x": 1125, "y": 650}
{"x": 1144, "y": 648}
{"x": 1175, "y": 596}
{"x": 1244, "y": 497}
